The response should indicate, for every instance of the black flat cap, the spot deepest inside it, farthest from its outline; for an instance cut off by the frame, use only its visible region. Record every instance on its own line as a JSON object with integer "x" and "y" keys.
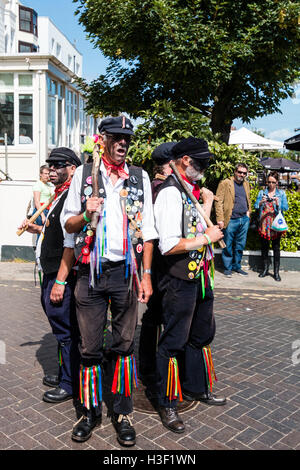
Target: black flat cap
{"x": 194, "y": 148}
{"x": 162, "y": 154}
{"x": 116, "y": 125}
{"x": 63, "y": 154}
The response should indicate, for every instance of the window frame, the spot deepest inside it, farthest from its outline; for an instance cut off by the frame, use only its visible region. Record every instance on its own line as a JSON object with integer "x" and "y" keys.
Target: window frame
{"x": 33, "y": 26}
{"x": 17, "y": 90}
{"x": 33, "y": 47}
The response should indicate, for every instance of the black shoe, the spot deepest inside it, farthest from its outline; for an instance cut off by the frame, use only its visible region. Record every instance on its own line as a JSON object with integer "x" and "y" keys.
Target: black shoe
{"x": 57, "y": 395}
{"x": 125, "y": 431}
{"x": 171, "y": 420}
{"x": 207, "y": 398}
{"x": 277, "y": 277}
{"x": 51, "y": 380}
{"x": 82, "y": 430}
{"x": 264, "y": 273}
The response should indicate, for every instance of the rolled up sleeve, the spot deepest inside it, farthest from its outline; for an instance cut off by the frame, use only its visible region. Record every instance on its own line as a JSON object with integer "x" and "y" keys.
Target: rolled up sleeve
{"x": 72, "y": 205}
{"x": 148, "y": 226}
{"x": 168, "y": 215}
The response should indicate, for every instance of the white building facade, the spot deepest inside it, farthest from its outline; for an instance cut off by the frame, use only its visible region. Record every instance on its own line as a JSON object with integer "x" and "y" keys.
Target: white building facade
{"x": 40, "y": 107}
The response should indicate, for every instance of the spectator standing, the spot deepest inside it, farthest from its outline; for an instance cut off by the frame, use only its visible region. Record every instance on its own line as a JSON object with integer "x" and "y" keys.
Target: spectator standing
{"x": 269, "y": 202}
{"x": 233, "y": 209}
{"x": 42, "y": 191}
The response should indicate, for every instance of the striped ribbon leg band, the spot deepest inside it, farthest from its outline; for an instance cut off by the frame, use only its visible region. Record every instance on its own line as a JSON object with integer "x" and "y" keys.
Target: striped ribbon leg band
{"x": 173, "y": 384}
{"x": 59, "y": 359}
{"x": 125, "y": 376}
{"x": 90, "y": 386}
{"x": 209, "y": 367}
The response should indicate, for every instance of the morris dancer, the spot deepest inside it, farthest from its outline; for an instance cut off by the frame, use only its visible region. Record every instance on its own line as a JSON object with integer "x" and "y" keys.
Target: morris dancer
{"x": 151, "y": 321}
{"x": 109, "y": 271}
{"x": 55, "y": 258}
{"x": 187, "y": 305}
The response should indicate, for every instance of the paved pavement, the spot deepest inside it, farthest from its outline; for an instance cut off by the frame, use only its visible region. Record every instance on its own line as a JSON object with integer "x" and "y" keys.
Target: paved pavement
{"x": 256, "y": 354}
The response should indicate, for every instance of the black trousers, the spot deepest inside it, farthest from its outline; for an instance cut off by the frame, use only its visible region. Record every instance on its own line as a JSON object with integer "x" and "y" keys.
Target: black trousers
{"x": 189, "y": 325}
{"x": 62, "y": 318}
{"x": 275, "y": 247}
{"x": 91, "y": 307}
{"x": 151, "y": 321}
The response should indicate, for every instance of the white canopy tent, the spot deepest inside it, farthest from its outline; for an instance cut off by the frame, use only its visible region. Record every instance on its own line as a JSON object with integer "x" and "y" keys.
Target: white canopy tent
{"x": 248, "y": 140}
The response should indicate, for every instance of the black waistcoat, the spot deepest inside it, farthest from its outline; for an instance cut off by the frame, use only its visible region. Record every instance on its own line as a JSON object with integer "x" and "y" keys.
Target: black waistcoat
{"x": 53, "y": 243}
{"x": 186, "y": 266}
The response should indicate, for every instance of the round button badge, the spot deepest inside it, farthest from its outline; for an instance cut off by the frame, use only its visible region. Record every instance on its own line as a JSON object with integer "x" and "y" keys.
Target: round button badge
{"x": 192, "y": 266}
{"x": 88, "y": 191}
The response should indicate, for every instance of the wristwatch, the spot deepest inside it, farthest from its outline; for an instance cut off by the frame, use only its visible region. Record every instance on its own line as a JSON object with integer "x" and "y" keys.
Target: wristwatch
{"x": 147, "y": 271}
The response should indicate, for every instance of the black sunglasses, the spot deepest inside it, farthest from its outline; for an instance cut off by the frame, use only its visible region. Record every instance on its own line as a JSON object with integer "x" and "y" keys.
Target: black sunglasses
{"x": 201, "y": 164}
{"x": 59, "y": 165}
{"x": 118, "y": 137}
{"x": 241, "y": 172}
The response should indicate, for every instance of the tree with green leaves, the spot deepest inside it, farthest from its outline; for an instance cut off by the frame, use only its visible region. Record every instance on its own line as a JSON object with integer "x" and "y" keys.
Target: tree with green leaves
{"x": 229, "y": 58}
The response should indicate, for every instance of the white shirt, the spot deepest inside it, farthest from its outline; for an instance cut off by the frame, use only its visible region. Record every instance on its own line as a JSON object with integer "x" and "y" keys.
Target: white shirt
{"x": 168, "y": 217}
{"x": 69, "y": 238}
{"x": 114, "y": 215}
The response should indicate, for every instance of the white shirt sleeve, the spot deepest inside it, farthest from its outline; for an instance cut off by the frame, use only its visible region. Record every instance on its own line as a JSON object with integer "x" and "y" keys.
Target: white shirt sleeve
{"x": 69, "y": 238}
{"x": 148, "y": 227}
{"x": 168, "y": 218}
{"x": 72, "y": 205}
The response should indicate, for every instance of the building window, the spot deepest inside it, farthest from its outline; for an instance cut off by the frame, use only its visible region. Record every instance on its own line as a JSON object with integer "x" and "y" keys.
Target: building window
{"x": 25, "y": 119}
{"x": 27, "y": 20}
{"x": 6, "y": 117}
{"x": 6, "y": 79}
{"x": 52, "y": 91}
{"x": 27, "y": 47}
{"x": 58, "y": 50}
{"x": 25, "y": 80}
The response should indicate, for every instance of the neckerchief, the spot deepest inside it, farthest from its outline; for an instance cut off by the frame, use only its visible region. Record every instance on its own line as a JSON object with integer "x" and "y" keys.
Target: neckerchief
{"x": 196, "y": 189}
{"x": 62, "y": 188}
{"x": 118, "y": 168}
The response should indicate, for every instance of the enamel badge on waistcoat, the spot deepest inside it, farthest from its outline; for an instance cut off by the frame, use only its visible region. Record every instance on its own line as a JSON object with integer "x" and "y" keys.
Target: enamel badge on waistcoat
{"x": 94, "y": 246}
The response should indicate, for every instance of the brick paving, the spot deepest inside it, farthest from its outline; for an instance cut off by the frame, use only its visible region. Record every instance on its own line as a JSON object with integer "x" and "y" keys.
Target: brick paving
{"x": 253, "y": 359}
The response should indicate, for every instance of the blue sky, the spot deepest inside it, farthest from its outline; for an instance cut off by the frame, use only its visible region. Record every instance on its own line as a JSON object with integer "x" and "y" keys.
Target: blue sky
{"x": 276, "y": 126}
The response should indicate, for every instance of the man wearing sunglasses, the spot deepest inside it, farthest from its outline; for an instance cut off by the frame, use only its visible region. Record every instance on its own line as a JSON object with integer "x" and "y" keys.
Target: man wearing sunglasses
{"x": 110, "y": 275}
{"x": 55, "y": 258}
{"x": 184, "y": 277}
{"x": 233, "y": 209}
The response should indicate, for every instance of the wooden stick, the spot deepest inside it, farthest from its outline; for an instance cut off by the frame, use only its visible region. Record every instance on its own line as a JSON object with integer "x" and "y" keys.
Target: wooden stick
{"x": 158, "y": 176}
{"x": 95, "y": 184}
{"x": 194, "y": 200}
{"x": 35, "y": 216}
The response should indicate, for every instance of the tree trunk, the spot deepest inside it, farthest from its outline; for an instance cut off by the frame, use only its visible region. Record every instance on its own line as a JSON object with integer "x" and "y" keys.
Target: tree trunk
{"x": 221, "y": 116}
{"x": 220, "y": 123}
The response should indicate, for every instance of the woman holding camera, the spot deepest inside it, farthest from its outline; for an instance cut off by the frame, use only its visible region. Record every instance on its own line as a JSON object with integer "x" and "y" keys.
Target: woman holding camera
{"x": 269, "y": 202}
